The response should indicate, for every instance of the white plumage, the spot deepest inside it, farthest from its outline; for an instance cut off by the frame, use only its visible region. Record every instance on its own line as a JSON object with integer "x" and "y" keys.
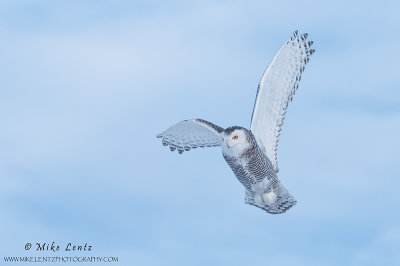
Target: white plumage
{"x": 251, "y": 154}
{"x": 190, "y": 134}
{"x": 276, "y": 89}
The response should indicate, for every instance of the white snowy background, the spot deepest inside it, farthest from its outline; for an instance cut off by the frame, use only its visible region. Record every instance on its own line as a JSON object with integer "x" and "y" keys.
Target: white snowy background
{"x": 85, "y": 86}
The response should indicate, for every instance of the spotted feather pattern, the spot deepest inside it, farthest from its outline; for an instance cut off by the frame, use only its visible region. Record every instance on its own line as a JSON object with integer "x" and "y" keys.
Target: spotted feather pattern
{"x": 190, "y": 134}
{"x": 284, "y": 200}
{"x": 254, "y": 163}
{"x": 255, "y": 171}
{"x": 276, "y": 89}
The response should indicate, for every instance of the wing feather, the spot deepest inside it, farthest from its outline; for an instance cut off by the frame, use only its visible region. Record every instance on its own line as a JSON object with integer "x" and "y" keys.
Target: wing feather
{"x": 190, "y": 134}
{"x": 276, "y": 88}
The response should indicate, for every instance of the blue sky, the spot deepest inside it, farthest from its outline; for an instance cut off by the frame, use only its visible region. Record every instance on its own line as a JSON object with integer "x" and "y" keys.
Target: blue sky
{"x": 86, "y": 85}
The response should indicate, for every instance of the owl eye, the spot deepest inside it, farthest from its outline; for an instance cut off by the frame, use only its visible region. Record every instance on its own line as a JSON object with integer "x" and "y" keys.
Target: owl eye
{"x": 234, "y": 137}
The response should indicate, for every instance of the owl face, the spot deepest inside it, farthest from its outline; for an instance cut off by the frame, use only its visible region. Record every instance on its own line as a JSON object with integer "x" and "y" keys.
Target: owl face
{"x": 235, "y": 141}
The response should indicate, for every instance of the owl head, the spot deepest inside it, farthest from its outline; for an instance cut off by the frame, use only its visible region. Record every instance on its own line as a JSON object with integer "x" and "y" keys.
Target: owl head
{"x": 236, "y": 140}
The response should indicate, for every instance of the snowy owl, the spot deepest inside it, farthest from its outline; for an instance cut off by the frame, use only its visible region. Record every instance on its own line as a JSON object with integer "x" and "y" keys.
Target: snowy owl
{"x": 251, "y": 154}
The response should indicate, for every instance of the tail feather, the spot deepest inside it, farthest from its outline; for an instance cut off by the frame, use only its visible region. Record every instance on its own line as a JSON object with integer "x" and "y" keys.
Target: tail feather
{"x": 279, "y": 201}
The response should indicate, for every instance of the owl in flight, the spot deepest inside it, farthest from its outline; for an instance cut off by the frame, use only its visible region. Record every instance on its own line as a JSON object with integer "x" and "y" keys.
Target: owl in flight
{"x": 251, "y": 154}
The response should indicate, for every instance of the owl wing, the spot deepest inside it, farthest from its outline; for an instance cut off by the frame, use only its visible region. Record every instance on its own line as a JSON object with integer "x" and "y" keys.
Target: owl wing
{"x": 190, "y": 134}
{"x": 276, "y": 88}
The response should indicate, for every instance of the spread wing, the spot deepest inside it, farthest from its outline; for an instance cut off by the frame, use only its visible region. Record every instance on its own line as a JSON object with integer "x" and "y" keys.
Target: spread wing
{"x": 190, "y": 134}
{"x": 276, "y": 89}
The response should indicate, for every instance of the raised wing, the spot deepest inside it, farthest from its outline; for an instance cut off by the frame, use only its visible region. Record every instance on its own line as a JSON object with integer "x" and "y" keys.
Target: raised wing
{"x": 276, "y": 89}
{"x": 190, "y": 134}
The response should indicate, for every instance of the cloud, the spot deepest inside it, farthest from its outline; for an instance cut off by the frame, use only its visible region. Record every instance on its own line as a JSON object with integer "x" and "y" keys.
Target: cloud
{"x": 381, "y": 250}
{"x": 88, "y": 86}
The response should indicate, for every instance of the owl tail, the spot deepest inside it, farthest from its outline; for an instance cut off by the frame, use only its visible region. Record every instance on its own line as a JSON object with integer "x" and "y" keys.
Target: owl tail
{"x": 277, "y": 201}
